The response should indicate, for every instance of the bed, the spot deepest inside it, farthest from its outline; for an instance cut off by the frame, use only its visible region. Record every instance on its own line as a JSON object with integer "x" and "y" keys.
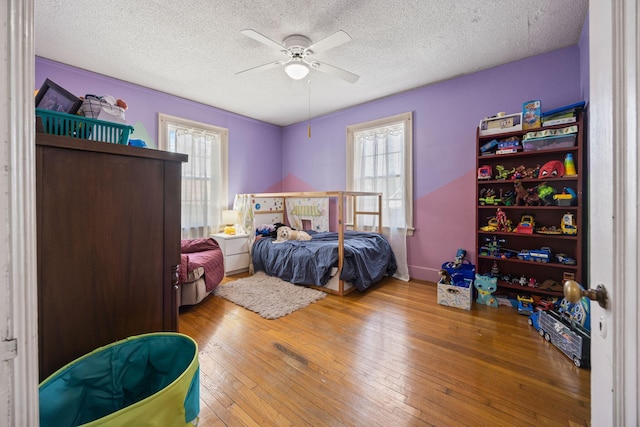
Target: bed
{"x": 355, "y": 256}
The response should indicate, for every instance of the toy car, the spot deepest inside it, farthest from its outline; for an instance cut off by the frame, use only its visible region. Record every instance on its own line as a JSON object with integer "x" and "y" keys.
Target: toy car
{"x": 525, "y": 305}
{"x": 568, "y": 197}
{"x": 533, "y": 320}
{"x": 537, "y": 255}
{"x": 491, "y": 226}
{"x": 569, "y": 337}
{"x": 545, "y": 304}
{"x": 489, "y": 200}
{"x": 484, "y": 172}
{"x": 568, "y": 224}
{"x": 564, "y": 259}
{"x": 488, "y": 197}
{"x": 526, "y": 224}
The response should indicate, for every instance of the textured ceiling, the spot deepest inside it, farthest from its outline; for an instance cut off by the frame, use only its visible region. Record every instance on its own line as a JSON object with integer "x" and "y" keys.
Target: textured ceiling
{"x": 194, "y": 48}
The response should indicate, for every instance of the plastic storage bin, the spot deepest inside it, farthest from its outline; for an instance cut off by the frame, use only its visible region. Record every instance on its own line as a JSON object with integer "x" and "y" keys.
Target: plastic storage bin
{"x": 151, "y": 379}
{"x": 75, "y": 126}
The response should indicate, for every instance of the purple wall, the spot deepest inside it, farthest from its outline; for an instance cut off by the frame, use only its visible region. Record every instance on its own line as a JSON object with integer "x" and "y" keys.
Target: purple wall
{"x": 446, "y": 116}
{"x": 246, "y": 136}
{"x": 583, "y": 45}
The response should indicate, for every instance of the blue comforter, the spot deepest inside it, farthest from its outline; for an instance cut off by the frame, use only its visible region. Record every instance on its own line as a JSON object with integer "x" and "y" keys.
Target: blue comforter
{"x": 367, "y": 258}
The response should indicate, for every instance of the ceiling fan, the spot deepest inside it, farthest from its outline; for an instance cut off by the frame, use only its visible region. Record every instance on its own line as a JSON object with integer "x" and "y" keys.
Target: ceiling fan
{"x": 298, "y": 49}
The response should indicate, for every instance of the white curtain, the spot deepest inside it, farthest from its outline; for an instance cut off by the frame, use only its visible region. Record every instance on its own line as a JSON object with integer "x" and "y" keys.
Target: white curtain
{"x": 379, "y": 159}
{"x": 242, "y": 204}
{"x": 201, "y": 181}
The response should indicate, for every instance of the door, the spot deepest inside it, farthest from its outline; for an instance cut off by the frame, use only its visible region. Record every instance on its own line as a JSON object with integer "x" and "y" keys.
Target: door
{"x": 613, "y": 214}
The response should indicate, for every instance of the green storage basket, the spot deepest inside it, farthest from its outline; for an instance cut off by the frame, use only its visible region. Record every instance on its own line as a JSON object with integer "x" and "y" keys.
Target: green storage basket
{"x": 151, "y": 379}
{"x": 74, "y": 126}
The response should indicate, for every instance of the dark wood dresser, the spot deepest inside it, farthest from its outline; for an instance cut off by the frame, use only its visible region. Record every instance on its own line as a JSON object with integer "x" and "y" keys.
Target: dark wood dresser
{"x": 108, "y": 222}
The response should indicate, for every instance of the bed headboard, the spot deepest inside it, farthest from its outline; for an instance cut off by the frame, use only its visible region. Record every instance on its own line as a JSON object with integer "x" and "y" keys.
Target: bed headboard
{"x": 295, "y": 208}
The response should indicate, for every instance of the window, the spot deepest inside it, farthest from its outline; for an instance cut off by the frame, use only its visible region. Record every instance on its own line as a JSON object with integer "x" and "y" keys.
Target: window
{"x": 379, "y": 160}
{"x": 204, "y": 176}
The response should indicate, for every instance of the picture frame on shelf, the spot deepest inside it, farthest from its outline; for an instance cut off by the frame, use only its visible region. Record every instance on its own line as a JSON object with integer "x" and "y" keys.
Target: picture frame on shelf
{"x": 54, "y": 97}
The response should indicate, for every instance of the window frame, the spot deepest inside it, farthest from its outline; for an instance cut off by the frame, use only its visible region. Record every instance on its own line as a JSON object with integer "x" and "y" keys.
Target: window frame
{"x": 407, "y": 119}
{"x": 164, "y": 120}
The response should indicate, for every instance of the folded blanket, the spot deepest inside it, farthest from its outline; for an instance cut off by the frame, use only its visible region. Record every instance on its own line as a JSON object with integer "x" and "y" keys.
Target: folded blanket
{"x": 201, "y": 253}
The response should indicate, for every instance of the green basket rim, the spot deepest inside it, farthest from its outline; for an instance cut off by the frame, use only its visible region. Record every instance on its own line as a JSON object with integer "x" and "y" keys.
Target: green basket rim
{"x": 43, "y": 112}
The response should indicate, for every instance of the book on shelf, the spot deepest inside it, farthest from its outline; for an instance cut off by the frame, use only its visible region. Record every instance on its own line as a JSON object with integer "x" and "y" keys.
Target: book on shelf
{"x": 562, "y": 115}
{"x": 531, "y": 114}
{"x": 560, "y": 121}
{"x": 507, "y": 150}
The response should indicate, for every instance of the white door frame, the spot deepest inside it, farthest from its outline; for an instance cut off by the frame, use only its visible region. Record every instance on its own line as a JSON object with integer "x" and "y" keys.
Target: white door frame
{"x": 18, "y": 310}
{"x": 613, "y": 210}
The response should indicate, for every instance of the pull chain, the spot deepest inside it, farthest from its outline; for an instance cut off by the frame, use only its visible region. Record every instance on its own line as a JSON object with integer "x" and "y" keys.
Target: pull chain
{"x": 309, "y": 121}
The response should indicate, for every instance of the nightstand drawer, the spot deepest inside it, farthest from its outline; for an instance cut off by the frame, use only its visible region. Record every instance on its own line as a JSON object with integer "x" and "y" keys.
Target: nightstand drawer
{"x": 235, "y": 249}
{"x": 236, "y": 263}
{"x": 236, "y": 246}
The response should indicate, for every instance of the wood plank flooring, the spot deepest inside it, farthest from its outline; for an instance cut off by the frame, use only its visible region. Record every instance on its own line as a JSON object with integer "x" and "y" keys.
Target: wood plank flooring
{"x": 388, "y": 357}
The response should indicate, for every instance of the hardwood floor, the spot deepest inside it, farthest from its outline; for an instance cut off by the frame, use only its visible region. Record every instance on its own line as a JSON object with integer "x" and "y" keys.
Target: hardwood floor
{"x": 388, "y": 357}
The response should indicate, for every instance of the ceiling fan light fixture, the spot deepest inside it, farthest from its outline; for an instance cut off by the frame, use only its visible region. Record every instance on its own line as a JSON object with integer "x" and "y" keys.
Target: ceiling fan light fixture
{"x": 296, "y": 70}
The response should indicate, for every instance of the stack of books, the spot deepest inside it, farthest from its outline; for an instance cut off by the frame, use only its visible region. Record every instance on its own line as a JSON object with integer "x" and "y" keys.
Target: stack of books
{"x": 562, "y": 115}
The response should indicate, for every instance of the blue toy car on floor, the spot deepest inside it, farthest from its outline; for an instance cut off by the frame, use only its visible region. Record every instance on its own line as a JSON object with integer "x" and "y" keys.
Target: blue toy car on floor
{"x": 525, "y": 305}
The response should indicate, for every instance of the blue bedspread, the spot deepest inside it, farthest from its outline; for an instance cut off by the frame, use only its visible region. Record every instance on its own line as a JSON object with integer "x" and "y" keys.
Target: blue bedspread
{"x": 367, "y": 258}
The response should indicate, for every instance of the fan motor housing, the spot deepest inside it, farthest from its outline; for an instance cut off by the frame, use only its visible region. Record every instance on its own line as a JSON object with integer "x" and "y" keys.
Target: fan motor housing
{"x": 296, "y": 40}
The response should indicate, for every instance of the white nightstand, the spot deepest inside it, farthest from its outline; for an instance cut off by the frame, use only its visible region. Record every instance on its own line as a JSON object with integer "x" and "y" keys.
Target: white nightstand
{"x": 235, "y": 249}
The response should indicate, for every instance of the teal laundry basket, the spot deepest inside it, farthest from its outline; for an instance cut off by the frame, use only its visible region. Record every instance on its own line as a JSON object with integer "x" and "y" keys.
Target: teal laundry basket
{"x": 144, "y": 380}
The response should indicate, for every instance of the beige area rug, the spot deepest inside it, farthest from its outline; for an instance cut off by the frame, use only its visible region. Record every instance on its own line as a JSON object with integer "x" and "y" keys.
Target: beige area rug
{"x": 268, "y": 296}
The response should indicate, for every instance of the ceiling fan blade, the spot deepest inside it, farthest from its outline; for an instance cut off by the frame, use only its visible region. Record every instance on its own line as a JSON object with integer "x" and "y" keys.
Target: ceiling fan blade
{"x": 263, "y": 67}
{"x": 263, "y": 39}
{"x": 335, "y": 71}
{"x": 335, "y": 39}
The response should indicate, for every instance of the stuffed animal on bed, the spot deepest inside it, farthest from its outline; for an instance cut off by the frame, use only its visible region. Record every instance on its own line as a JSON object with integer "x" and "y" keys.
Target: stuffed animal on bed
{"x": 286, "y": 233}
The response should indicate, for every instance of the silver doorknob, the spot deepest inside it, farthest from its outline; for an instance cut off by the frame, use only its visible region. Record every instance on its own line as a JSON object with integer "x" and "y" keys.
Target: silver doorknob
{"x": 573, "y": 292}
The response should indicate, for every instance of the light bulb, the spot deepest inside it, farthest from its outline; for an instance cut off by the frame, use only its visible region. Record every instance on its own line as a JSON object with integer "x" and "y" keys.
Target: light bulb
{"x": 296, "y": 70}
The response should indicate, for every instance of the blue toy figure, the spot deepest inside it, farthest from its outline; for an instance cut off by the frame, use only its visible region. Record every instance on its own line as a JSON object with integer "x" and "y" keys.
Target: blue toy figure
{"x": 486, "y": 286}
{"x": 459, "y": 258}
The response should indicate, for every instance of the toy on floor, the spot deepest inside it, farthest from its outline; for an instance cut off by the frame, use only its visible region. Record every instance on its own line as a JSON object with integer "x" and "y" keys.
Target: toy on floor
{"x": 486, "y": 286}
{"x": 525, "y": 305}
{"x": 566, "y": 327}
